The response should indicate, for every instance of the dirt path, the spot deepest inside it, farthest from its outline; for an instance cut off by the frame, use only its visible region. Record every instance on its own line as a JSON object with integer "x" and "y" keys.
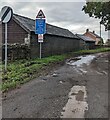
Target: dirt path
{"x": 54, "y": 95}
{"x": 97, "y": 87}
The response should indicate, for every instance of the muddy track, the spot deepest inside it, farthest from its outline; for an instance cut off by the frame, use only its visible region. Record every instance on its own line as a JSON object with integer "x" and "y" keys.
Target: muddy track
{"x": 48, "y": 95}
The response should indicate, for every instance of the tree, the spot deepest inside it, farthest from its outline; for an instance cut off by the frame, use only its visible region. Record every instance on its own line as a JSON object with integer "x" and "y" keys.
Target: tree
{"x": 108, "y": 42}
{"x": 99, "y": 10}
{"x": 101, "y": 42}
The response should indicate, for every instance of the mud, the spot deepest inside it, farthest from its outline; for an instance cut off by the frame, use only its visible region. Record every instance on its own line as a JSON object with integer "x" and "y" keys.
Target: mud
{"x": 46, "y": 96}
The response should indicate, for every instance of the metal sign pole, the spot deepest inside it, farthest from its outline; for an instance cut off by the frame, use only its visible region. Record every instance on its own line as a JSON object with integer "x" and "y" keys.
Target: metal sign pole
{"x": 40, "y": 50}
{"x": 5, "y": 46}
{"x": 6, "y": 15}
{"x": 40, "y": 29}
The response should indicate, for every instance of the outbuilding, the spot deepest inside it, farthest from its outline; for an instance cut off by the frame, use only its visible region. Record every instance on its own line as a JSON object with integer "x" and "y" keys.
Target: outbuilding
{"x": 57, "y": 40}
{"x": 86, "y": 42}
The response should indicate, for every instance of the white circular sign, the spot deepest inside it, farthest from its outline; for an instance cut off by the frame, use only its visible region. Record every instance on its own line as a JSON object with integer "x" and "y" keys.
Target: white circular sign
{"x": 6, "y": 14}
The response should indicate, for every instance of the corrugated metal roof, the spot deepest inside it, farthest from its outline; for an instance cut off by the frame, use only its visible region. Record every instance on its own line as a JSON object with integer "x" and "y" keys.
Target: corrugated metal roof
{"x": 85, "y": 38}
{"x": 29, "y": 24}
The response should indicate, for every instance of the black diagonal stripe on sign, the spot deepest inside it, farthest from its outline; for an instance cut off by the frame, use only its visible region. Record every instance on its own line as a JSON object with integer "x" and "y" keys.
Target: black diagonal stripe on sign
{"x": 5, "y": 14}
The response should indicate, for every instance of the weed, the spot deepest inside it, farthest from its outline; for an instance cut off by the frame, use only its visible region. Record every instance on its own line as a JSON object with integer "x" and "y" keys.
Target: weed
{"x": 21, "y": 71}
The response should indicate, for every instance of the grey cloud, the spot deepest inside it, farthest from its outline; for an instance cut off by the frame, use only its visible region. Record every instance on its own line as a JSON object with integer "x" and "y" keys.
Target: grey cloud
{"x": 56, "y": 12}
{"x": 65, "y": 14}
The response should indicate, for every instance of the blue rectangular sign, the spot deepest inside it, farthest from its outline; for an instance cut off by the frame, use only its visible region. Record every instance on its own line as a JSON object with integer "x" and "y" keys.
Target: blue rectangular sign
{"x": 40, "y": 26}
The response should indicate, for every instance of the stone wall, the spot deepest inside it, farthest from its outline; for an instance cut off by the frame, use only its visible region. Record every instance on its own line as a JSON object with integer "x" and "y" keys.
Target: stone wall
{"x": 16, "y": 51}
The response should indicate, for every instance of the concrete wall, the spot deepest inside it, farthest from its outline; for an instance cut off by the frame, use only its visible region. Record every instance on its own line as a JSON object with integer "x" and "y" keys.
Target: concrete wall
{"x": 53, "y": 45}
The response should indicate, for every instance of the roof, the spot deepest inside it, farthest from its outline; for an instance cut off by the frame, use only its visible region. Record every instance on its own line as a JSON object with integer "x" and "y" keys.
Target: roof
{"x": 29, "y": 24}
{"x": 85, "y": 38}
{"x": 94, "y": 34}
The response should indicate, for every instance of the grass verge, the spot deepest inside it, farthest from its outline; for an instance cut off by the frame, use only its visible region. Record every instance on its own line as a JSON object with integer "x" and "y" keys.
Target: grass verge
{"x": 21, "y": 71}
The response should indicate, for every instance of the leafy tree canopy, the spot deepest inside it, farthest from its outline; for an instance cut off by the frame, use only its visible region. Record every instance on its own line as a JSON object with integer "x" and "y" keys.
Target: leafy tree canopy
{"x": 99, "y": 10}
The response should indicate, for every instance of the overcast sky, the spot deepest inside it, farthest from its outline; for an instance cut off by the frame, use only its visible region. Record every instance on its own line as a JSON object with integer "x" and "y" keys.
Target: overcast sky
{"x": 68, "y": 15}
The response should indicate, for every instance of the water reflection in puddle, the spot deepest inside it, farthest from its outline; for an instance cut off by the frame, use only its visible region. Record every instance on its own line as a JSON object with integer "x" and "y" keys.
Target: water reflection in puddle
{"x": 81, "y": 60}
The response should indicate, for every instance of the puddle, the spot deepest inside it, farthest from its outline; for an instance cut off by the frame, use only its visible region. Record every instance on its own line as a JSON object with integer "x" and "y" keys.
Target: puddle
{"x": 99, "y": 73}
{"x": 54, "y": 75}
{"x": 76, "y": 105}
{"x": 83, "y": 71}
{"x": 61, "y": 82}
{"x": 105, "y": 72}
{"x": 80, "y": 70}
{"x": 81, "y": 60}
{"x": 106, "y": 61}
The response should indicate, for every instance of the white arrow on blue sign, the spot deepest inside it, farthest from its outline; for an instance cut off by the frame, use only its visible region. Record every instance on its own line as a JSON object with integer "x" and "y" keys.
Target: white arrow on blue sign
{"x": 40, "y": 27}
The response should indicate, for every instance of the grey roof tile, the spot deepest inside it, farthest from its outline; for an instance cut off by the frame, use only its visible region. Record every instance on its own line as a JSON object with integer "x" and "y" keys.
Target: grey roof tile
{"x": 85, "y": 38}
{"x": 50, "y": 29}
{"x": 97, "y": 36}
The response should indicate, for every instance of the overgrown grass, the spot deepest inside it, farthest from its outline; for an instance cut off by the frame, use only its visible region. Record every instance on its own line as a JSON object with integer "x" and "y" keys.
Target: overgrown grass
{"x": 21, "y": 71}
{"x": 92, "y": 51}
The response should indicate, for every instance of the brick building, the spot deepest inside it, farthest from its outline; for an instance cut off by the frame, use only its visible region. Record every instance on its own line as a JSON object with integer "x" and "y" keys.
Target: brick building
{"x": 93, "y": 35}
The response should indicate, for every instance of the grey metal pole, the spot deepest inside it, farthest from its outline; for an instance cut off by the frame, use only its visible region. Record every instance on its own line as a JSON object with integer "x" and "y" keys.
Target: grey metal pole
{"x": 100, "y": 33}
{"x": 40, "y": 50}
{"x": 5, "y": 46}
{"x": 109, "y": 34}
{"x": 100, "y": 29}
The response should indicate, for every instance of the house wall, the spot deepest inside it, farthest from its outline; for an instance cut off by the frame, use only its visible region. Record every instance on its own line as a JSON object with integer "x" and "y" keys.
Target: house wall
{"x": 93, "y": 37}
{"x": 97, "y": 41}
{"x": 53, "y": 45}
{"x": 16, "y": 34}
{"x": 89, "y": 35}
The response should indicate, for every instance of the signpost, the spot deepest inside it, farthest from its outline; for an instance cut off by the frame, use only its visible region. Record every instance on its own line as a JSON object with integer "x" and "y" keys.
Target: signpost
{"x": 40, "y": 40}
{"x": 40, "y": 37}
{"x": 40, "y": 28}
{"x": 6, "y": 15}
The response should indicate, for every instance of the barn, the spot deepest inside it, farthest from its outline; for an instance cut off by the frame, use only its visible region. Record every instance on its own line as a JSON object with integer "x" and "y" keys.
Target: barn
{"x": 57, "y": 40}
